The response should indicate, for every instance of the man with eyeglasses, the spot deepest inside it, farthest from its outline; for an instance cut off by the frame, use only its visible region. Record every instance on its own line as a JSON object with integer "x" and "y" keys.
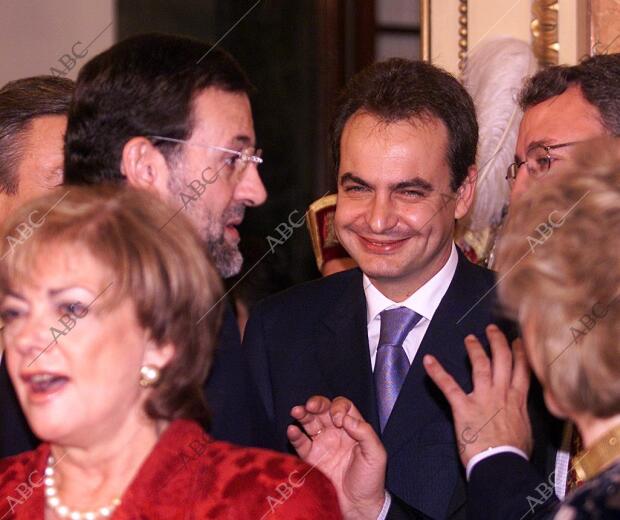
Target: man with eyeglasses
{"x": 172, "y": 115}
{"x": 562, "y": 106}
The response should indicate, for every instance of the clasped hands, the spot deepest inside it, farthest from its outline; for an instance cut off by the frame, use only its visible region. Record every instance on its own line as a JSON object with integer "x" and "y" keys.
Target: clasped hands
{"x": 339, "y": 442}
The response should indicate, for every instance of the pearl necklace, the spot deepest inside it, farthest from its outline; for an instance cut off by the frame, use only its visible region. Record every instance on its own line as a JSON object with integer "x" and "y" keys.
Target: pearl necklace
{"x": 62, "y": 511}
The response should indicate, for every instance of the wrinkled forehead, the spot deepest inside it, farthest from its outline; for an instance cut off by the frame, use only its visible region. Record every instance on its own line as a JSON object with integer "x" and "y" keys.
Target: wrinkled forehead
{"x": 568, "y": 117}
{"x": 404, "y": 149}
{"x": 222, "y": 118}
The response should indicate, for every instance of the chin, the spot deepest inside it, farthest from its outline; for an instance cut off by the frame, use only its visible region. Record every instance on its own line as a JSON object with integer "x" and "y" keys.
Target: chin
{"x": 50, "y": 427}
{"x": 377, "y": 266}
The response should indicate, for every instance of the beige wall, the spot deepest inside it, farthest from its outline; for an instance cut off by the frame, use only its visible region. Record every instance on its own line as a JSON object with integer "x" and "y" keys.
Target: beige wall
{"x": 34, "y": 34}
{"x": 502, "y": 17}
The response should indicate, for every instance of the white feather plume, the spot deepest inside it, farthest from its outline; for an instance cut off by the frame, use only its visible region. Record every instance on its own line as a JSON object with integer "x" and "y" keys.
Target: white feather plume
{"x": 493, "y": 75}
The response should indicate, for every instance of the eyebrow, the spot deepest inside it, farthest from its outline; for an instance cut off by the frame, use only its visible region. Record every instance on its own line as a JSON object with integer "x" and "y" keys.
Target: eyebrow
{"x": 13, "y": 294}
{"x": 56, "y": 292}
{"x": 353, "y": 178}
{"x": 539, "y": 143}
{"x": 416, "y": 182}
{"x": 243, "y": 140}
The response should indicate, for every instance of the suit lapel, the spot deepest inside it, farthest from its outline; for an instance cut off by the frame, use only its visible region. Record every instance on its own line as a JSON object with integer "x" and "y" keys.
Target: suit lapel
{"x": 343, "y": 352}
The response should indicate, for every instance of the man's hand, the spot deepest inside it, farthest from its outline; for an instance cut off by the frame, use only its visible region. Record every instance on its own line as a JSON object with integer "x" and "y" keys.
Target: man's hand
{"x": 495, "y": 412}
{"x": 341, "y": 444}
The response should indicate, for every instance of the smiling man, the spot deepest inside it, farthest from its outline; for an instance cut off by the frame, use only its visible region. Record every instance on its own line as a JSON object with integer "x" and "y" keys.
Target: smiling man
{"x": 404, "y": 143}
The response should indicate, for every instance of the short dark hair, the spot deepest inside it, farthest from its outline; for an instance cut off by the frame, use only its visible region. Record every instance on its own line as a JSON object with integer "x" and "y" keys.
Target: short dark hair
{"x": 598, "y": 78}
{"x": 21, "y": 101}
{"x": 399, "y": 89}
{"x": 144, "y": 85}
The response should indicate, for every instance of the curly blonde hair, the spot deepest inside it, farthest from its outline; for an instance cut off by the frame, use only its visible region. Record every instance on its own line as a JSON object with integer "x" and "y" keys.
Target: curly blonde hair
{"x": 560, "y": 275}
{"x": 156, "y": 261}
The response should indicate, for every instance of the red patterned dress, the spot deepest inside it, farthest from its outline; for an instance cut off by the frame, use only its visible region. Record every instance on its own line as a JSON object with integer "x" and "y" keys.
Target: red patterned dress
{"x": 189, "y": 476}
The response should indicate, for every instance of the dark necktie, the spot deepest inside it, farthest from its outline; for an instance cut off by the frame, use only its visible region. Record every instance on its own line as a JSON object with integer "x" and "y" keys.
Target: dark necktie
{"x": 392, "y": 365}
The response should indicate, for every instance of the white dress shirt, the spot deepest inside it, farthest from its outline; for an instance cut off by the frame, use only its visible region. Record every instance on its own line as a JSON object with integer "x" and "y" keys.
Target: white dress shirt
{"x": 424, "y": 301}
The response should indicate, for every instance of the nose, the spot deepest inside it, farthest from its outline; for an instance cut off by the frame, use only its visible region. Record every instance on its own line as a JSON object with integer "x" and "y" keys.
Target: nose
{"x": 251, "y": 190}
{"x": 381, "y": 215}
{"x": 29, "y": 338}
{"x": 521, "y": 184}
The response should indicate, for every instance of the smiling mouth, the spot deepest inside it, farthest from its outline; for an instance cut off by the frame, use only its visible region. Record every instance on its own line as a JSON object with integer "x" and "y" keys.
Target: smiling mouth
{"x": 382, "y": 246}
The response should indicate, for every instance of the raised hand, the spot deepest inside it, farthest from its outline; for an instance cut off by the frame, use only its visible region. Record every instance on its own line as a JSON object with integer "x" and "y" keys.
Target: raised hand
{"x": 495, "y": 412}
{"x": 340, "y": 443}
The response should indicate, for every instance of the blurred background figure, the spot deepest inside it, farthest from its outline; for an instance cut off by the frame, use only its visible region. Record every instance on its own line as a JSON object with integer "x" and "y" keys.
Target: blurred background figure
{"x": 330, "y": 256}
{"x": 107, "y": 348}
{"x": 566, "y": 294}
{"x": 494, "y": 74}
{"x": 33, "y": 120}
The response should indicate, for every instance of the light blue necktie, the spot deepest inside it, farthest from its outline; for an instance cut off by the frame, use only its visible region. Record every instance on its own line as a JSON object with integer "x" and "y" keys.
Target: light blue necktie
{"x": 392, "y": 365}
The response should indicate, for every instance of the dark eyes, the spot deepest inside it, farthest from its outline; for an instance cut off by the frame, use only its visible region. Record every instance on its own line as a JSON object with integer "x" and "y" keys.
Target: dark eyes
{"x": 75, "y": 308}
{"x": 354, "y": 189}
{"x": 232, "y": 160}
{"x": 8, "y": 315}
{"x": 406, "y": 193}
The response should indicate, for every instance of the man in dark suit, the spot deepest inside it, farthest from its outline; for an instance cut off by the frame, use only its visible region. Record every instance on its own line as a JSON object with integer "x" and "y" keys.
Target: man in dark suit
{"x": 172, "y": 115}
{"x": 404, "y": 142}
{"x": 562, "y": 106}
{"x": 33, "y": 120}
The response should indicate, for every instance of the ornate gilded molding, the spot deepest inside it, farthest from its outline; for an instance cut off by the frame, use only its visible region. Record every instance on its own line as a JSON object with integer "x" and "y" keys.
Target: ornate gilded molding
{"x": 425, "y": 30}
{"x": 463, "y": 44}
{"x": 544, "y": 27}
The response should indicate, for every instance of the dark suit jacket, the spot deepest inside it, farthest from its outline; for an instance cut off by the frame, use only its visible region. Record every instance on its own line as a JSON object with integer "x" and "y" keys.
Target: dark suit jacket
{"x": 312, "y": 339}
{"x": 508, "y": 487}
{"x": 225, "y": 391}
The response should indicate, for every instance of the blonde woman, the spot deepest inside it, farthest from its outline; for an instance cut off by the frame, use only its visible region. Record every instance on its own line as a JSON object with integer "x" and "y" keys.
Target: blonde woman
{"x": 110, "y": 319}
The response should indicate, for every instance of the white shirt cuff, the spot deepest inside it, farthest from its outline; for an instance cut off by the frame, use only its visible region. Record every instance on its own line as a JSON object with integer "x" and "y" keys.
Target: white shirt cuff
{"x": 386, "y": 506}
{"x": 489, "y": 453}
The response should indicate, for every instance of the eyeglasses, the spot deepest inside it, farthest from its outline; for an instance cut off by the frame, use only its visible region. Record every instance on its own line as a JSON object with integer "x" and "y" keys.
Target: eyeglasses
{"x": 239, "y": 160}
{"x": 537, "y": 160}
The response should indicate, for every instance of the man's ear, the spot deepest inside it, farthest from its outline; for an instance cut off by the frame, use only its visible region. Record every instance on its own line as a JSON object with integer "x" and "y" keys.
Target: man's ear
{"x": 553, "y": 405}
{"x": 465, "y": 193}
{"x": 144, "y": 165}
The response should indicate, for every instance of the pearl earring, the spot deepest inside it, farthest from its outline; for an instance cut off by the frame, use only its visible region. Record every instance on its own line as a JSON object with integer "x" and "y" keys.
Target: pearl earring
{"x": 149, "y": 375}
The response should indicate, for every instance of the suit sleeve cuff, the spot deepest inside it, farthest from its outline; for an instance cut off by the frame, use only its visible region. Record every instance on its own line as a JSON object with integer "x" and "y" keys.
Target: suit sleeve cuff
{"x": 386, "y": 506}
{"x": 489, "y": 453}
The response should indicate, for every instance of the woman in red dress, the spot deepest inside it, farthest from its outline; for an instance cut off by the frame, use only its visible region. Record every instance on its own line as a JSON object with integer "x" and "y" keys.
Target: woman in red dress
{"x": 110, "y": 316}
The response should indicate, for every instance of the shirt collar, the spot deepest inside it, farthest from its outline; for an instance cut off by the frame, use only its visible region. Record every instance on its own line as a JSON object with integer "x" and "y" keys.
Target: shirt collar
{"x": 424, "y": 301}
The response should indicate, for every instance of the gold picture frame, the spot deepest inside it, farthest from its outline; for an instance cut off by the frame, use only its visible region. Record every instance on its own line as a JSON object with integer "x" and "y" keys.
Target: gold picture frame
{"x": 425, "y": 30}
